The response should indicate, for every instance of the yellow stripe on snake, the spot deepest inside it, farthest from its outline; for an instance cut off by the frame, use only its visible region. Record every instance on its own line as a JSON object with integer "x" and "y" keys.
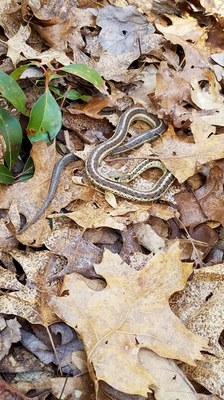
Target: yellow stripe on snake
{"x": 115, "y": 145}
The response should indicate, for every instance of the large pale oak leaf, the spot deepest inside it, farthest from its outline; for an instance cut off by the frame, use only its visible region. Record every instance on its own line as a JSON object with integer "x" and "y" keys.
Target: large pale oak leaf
{"x": 130, "y": 313}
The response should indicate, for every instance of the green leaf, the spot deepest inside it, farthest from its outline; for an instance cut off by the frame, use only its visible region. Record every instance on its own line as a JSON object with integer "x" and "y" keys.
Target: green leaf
{"x": 12, "y": 133}
{"x": 74, "y": 95}
{"x": 45, "y": 119}
{"x": 55, "y": 90}
{"x": 27, "y": 172}
{"x": 71, "y": 94}
{"x": 18, "y": 71}
{"x": 54, "y": 76}
{"x": 85, "y": 72}
{"x": 6, "y": 176}
{"x": 10, "y": 89}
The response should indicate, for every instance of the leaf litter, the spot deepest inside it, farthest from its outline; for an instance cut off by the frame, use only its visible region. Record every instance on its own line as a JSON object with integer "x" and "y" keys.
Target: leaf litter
{"x": 140, "y": 284}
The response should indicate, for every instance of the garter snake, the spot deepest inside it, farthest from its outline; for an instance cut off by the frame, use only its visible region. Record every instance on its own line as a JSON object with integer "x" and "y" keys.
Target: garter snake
{"x": 59, "y": 166}
{"x": 113, "y": 146}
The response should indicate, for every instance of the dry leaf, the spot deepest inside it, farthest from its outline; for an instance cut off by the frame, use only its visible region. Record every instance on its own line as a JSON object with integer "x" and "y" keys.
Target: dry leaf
{"x": 10, "y": 19}
{"x": 65, "y": 348}
{"x": 171, "y": 91}
{"x": 173, "y": 384}
{"x": 9, "y": 280}
{"x": 9, "y": 392}
{"x": 145, "y": 84}
{"x": 213, "y": 7}
{"x": 7, "y": 241}
{"x": 18, "y": 49}
{"x": 82, "y": 124}
{"x": 148, "y": 237}
{"x": 31, "y": 300}
{"x": 208, "y": 397}
{"x": 186, "y": 28}
{"x": 200, "y": 306}
{"x": 208, "y": 373}
{"x": 124, "y": 34}
{"x": 209, "y": 99}
{"x": 131, "y": 313}
{"x": 9, "y": 333}
{"x": 203, "y": 294}
{"x": 196, "y": 64}
{"x": 79, "y": 387}
{"x": 93, "y": 107}
{"x": 207, "y": 203}
{"x": 19, "y": 360}
{"x": 80, "y": 254}
{"x": 97, "y": 213}
{"x": 182, "y": 157}
{"x": 130, "y": 244}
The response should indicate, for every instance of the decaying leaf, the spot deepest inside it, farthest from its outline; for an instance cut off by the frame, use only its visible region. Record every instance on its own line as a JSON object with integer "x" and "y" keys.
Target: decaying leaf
{"x": 208, "y": 373}
{"x": 207, "y": 202}
{"x": 17, "y": 47}
{"x": 183, "y": 157}
{"x": 30, "y": 301}
{"x": 209, "y": 99}
{"x": 81, "y": 255}
{"x": 93, "y": 107}
{"x": 124, "y": 34}
{"x": 63, "y": 355}
{"x": 9, "y": 18}
{"x": 97, "y": 213}
{"x": 145, "y": 84}
{"x": 9, "y": 392}
{"x": 148, "y": 237}
{"x": 131, "y": 313}
{"x": 213, "y": 6}
{"x": 200, "y": 306}
{"x": 196, "y": 65}
{"x": 9, "y": 333}
{"x": 73, "y": 386}
{"x": 184, "y": 28}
